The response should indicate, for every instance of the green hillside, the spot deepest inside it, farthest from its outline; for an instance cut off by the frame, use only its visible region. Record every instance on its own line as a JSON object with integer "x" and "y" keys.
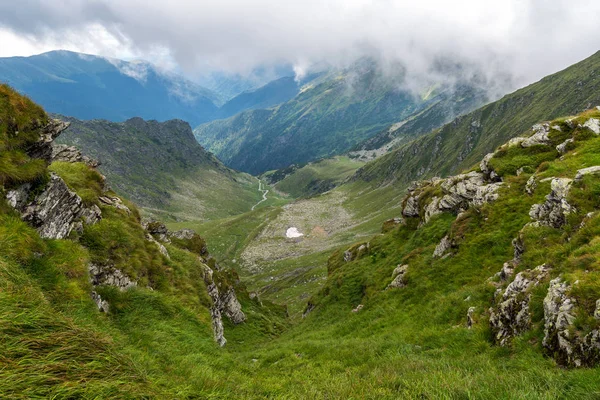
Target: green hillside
{"x": 487, "y": 288}
{"x": 467, "y": 139}
{"x": 162, "y": 168}
{"x": 329, "y": 116}
{"x": 313, "y": 178}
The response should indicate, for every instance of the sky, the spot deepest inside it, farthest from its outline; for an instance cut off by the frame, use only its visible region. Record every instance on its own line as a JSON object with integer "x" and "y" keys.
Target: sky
{"x": 523, "y": 39}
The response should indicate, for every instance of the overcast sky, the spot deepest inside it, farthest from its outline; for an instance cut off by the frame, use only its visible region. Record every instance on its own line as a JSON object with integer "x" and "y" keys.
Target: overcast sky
{"x": 525, "y": 38}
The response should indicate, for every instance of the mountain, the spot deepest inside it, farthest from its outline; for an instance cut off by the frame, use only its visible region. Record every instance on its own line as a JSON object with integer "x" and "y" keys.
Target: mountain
{"x": 162, "y": 168}
{"x": 468, "y": 138}
{"x": 230, "y": 85}
{"x": 89, "y": 87}
{"x": 486, "y": 287}
{"x": 329, "y": 116}
{"x": 272, "y": 94}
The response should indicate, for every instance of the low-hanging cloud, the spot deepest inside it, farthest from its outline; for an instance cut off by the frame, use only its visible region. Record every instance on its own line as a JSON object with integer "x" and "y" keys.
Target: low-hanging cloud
{"x": 521, "y": 39}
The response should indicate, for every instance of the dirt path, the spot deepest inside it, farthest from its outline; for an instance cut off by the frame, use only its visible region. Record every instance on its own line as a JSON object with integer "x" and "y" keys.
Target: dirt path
{"x": 264, "y": 192}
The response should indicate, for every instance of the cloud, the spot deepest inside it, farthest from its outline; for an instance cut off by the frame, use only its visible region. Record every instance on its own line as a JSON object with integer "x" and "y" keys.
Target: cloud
{"x": 521, "y": 39}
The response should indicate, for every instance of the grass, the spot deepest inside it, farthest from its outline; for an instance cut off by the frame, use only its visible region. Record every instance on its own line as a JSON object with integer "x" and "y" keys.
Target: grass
{"x": 318, "y": 177}
{"x": 410, "y": 342}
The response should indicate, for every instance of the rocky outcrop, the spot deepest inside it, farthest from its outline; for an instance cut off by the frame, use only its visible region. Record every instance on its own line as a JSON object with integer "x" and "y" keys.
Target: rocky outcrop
{"x": 456, "y": 194}
{"x": 102, "y": 305}
{"x": 161, "y": 248}
{"x": 42, "y": 148}
{"x": 593, "y": 124}
{"x": 561, "y": 340}
{"x": 398, "y": 277}
{"x": 563, "y": 147}
{"x": 355, "y": 252}
{"x": 56, "y": 211}
{"x": 231, "y": 307}
{"x": 444, "y": 245}
{"x": 539, "y": 137}
{"x": 511, "y": 315}
{"x": 157, "y": 229}
{"x": 115, "y": 202}
{"x": 554, "y": 210}
{"x": 108, "y": 275}
{"x": 64, "y": 153}
{"x": 223, "y": 303}
{"x": 595, "y": 170}
{"x": 531, "y": 185}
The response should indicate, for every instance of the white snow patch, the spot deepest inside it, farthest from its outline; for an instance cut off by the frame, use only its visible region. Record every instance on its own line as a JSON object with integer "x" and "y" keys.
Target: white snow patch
{"x": 293, "y": 232}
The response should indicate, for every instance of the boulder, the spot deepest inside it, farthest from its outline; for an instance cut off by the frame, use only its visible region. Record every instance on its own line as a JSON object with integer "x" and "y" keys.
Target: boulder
{"x": 593, "y": 124}
{"x": 531, "y": 185}
{"x": 554, "y": 210}
{"x": 398, "y": 277}
{"x": 470, "y": 320}
{"x": 231, "y": 307}
{"x": 539, "y": 137}
{"x": 562, "y": 148}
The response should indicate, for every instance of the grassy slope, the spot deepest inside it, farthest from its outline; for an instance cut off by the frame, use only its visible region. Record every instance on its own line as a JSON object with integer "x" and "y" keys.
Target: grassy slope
{"x": 161, "y": 167}
{"x": 408, "y": 342}
{"x": 467, "y": 139}
{"x": 318, "y": 177}
{"x": 327, "y": 117}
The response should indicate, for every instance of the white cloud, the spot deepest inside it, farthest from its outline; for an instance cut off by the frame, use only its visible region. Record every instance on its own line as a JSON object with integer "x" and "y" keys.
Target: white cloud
{"x": 525, "y": 38}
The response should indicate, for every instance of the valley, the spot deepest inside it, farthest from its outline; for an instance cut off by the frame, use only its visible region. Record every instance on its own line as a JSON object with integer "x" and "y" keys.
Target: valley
{"x": 346, "y": 232}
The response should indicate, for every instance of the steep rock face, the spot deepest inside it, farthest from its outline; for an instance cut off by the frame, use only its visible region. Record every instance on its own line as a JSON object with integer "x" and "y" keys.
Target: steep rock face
{"x": 225, "y": 303}
{"x": 554, "y": 210}
{"x": 560, "y": 339}
{"x": 511, "y": 316}
{"x": 56, "y": 211}
{"x": 224, "y": 299}
{"x": 43, "y": 147}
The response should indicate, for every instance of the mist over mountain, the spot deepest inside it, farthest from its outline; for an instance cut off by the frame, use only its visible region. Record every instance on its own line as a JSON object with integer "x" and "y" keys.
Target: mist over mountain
{"x": 88, "y": 87}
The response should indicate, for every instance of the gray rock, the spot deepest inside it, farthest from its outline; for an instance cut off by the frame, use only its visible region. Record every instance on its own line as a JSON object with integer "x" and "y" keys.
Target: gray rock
{"x": 561, "y": 338}
{"x": 102, "y": 305}
{"x": 587, "y": 171}
{"x": 223, "y": 303}
{"x": 539, "y": 137}
{"x": 43, "y": 147}
{"x": 593, "y": 124}
{"x": 531, "y": 185}
{"x": 64, "y": 153}
{"x": 511, "y": 316}
{"x": 115, "y": 202}
{"x": 411, "y": 207}
{"x": 183, "y": 234}
{"x": 562, "y": 148}
{"x": 55, "y": 212}
{"x": 231, "y": 307}
{"x": 398, "y": 277}
{"x": 470, "y": 320}
{"x": 110, "y": 276}
{"x": 444, "y": 245}
{"x": 161, "y": 248}
{"x": 554, "y": 210}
